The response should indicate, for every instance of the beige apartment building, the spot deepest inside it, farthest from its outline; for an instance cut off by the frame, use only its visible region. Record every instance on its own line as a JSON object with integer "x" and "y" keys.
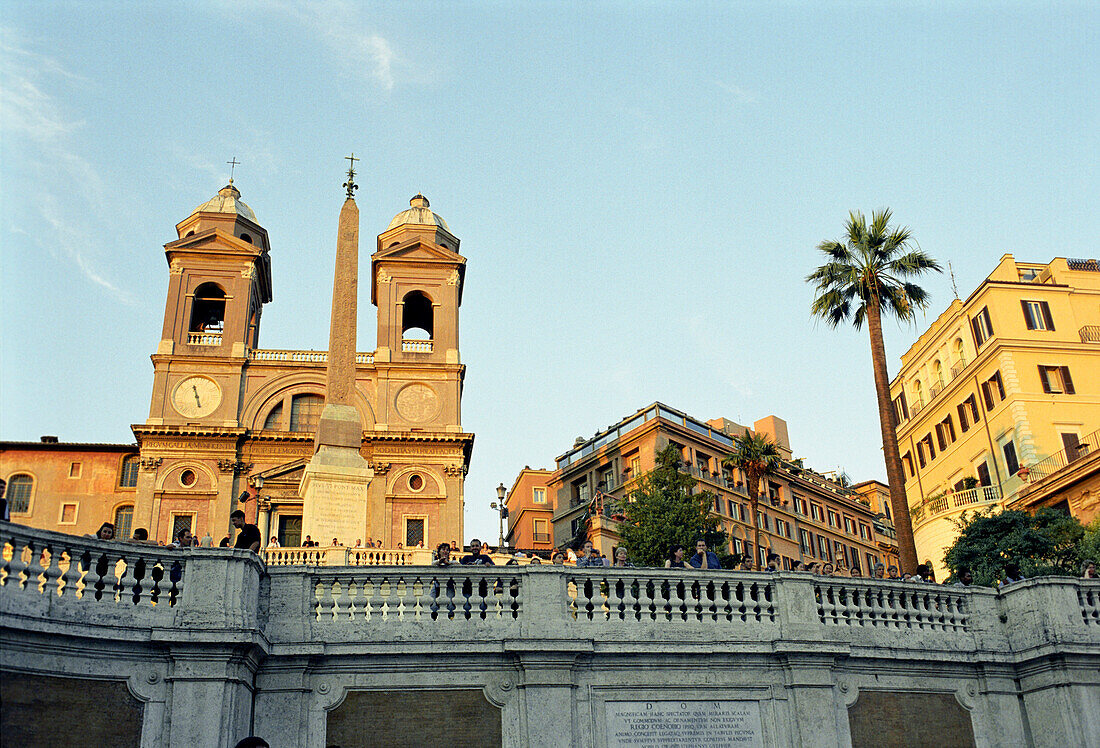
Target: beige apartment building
{"x": 803, "y": 516}
{"x": 1003, "y": 381}
{"x": 231, "y": 425}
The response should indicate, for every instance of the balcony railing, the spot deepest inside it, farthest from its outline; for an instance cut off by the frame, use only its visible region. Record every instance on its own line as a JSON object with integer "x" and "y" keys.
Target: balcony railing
{"x": 542, "y": 537}
{"x": 948, "y": 502}
{"x": 210, "y": 339}
{"x": 302, "y": 357}
{"x": 1090, "y": 334}
{"x": 1056, "y": 462}
{"x": 416, "y": 346}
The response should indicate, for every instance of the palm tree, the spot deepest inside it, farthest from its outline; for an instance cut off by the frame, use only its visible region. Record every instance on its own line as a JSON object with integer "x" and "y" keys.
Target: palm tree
{"x": 756, "y": 456}
{"x": 866, "y": 276}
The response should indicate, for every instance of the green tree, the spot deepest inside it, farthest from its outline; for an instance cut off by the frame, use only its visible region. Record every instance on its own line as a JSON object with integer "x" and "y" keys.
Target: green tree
{"x": 1089, "y": 547}
{"x": 757, "y": 457}
{"x": 663, "y": 511}
{"x": 1044, "y": 543}
{"x": 866, "y": 277}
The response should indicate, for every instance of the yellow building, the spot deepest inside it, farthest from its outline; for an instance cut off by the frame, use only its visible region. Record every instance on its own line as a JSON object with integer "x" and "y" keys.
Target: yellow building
{"x": 1003, "y": 380}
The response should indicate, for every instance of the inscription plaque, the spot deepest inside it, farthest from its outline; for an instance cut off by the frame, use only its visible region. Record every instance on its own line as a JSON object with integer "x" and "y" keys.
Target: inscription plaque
{"x": 334, "y": 509}
{"x": 683, "y": 724}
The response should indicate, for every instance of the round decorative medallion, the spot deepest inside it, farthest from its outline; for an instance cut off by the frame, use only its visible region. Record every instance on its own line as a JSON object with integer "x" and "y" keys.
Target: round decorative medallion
{"x": 417, "y": 403}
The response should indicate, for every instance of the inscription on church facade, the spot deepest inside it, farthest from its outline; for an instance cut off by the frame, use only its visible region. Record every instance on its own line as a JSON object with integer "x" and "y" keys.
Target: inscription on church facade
{"x": 683, "y": 724}
{"x": 335, "y": 509}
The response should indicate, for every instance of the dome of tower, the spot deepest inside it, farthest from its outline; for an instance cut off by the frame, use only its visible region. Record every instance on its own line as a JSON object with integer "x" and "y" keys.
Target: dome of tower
{"x": 228, "y": 200}
{"x": 419, "y": 213}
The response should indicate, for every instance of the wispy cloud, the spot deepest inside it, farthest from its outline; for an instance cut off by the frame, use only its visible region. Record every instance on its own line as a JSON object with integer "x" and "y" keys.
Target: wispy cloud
{"x": 347, "y": 37}
{"x": 30, "y": 113}
{"x": 738, "y": 94}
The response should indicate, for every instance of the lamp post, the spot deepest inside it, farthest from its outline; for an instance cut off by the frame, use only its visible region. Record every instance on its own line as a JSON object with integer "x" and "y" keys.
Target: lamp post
{"x": 502, "y": 509}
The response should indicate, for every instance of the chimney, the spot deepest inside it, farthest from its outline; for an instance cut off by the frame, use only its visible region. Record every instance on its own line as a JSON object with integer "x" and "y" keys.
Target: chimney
{"x": 49, "y": 439}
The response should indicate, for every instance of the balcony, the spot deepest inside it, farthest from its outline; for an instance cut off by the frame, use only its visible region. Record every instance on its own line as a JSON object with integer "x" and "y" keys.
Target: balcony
{"x": 416, "y": 346}
{"x": 301, "y": 357}
{"x": 542, "y": 537}
{"x": 208, "y": 339}
{"x": 938, "y": 506}
{"x": 1090, "y": 334}
{"x": 1066, "y": 457}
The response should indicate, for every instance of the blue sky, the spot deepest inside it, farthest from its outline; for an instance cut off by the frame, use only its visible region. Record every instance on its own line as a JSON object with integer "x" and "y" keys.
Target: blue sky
{"x": 639, "y": 189}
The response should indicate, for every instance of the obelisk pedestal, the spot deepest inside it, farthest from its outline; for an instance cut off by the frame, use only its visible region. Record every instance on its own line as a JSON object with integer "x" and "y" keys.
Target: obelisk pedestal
{"x": 334, "y": 484}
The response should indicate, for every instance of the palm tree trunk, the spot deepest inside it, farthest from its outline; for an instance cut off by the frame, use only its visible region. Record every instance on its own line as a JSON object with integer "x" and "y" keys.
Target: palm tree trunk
{"x": 903, "y": 525}
{"x": 754, "y": 507}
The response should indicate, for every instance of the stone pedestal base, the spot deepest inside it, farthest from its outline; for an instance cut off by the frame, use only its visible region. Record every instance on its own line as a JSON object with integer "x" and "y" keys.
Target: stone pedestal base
{"x": 334, "y": 497}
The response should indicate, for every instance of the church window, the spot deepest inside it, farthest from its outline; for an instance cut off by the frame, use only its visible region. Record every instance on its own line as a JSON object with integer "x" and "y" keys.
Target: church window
{"x": 414, "y": 531}
{"x": 124, "y": 520}
{"x": 416, "y": 482}
{"x": 20, "y": 488}
{"x": 180, "y": 522}
{"x": 208, "y": 309}
{"x": 274, "y": 420}
{"x": 416, "y": 317}
{"x": 188, "y": 478}
{"x": 128, "y": 477}
{"x": 305, "y": 412}
{"x": 246, "y": 238}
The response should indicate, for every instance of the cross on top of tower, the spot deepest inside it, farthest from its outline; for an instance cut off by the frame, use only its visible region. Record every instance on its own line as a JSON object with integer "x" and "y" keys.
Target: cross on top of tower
{"x": 350, "y": 185}
{"x": 232, "y": 165}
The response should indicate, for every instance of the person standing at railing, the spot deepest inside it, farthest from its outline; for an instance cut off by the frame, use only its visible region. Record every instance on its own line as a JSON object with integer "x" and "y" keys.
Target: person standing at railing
{"x": 773, "y": 562}
{"x": 620, "y": 559}
{"x": 475, "y": 557}
{"x": 106, "y": 531}
{"x": 963, "y": 577}
{"x": 442, "y": 555}
{"x": 879, "y": 571}
{"x": 1012, "y": 575}
{"x": 182, "y": 539}
{"x": 675, "y": 558}
{"x": 249, "y": 535}
{"x": 704, "y": 559}
{"x": 590, "y": 557}
{"x": 1088, "y": 570}
{"x": 892, "y": 573}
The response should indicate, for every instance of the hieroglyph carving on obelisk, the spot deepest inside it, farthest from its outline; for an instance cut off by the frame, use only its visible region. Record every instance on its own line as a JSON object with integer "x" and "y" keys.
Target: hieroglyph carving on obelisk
{"x": 334, "y": 484}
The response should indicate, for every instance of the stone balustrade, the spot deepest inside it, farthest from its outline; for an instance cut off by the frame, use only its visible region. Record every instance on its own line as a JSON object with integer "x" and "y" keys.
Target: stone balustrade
{"x": 209, "y": 339}
{"x": 301, "y": 357}
{"x": 416, "y": 346}
{"x": 281, "y": 645}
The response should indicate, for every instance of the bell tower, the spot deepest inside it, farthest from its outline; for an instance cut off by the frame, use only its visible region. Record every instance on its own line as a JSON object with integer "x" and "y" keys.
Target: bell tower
{"x": 417, "y": 286}
{"x": 219, "y": 279}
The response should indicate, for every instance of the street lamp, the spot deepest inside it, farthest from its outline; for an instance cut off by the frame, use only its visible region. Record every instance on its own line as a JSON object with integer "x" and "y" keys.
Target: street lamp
{"x": 502, "y": 508}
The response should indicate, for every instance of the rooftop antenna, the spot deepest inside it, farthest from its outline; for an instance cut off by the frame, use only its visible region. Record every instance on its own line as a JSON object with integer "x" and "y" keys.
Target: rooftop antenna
{"x": 951, "y": 270}
{"x": 350, "y": 185}
{"x": 232, "y": 165}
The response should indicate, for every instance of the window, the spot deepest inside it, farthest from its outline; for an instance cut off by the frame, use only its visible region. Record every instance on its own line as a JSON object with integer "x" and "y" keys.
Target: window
{"x": 416, "y": 482}
{"x": 180, "y": 522}
{"x": 1037, "y": 315}
{"x": 804, "y": 542}
{"x": 993, "y": 391}
{"x": 208, "y": 309}
{"x": 864, "y": 531}
{"x": 188, "y": 478}
{"x": 416, "y": 317}
{"x": 415, "y": 531}
{"x": 607, "y": 479}
{"x": 702, "y": 462}
{"x": 68, "y": 514}
{"x": 305, "y": 412}
{"x": 738, "y": 548}
{"x": 849, "y": 526}
{"x": 823, "y": 548}
{"x": 580, "y": 491}
{"x": 886, "y": 508}
{"x": 20, "y": 488}
{"x": 817, "y": 513}
{"x": 1009, "y": 449}
{"x": 274, "y": 420}
{"x": 871, "y": 561}
{"x": 774, "y": 493}
{"x": 924, "y": 447}
{"x": 75, "y": 469}
{"x": 907, "y": 460}
{"x": 945, "y": 433}
{"x": 732, "y": 507}
{"x": 918, "y": 393}
{"x": 1073, "y": 446}
{"x": 742, "y": 513}
{"x": 968, "y": 413}
{"x": 541, "y": 531}
{"x": 937, "y": 372}
{"x": 762, "y": 521}
{"x": 983, "y": 474}
{"x": 717, "y": 505}
{"x": 636, "y": 466}
{"x": 901, "y": 409}
{"x": 834, "y": 519}
{"x": 290, "y": 530}
{"x": 124, "y": 521}
{"x": 838, "y": 548}
{"x": 538, "y": 495}
{"x": 960, "y": 356}
{"x": 128, "y": 477}
{"x": 983, "y": 327}
{"x": 1056, "y": 380}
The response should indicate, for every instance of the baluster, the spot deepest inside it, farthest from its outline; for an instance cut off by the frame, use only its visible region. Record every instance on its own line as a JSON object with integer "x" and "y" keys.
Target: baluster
{"x": 696, "y": 592}
{"x": 616, "y": 606}
{"x": 341, "y": 604}
{"x": 726, "y": 601}
{"x": 17, "y": 566}
{"x": 128, "y": 581}
{"x": 175, "y": 580}
{"x": 353, "y": 598}
{"x": 824, "y": 604}
{"x": 742, "y": 610}
{"x": 651, "y": 597}
{"x": 386, "y": 608}
{"x": 851, "y": 606}
{"x": 156, "y": 580}
{"x": 34, "y": 569}
{"x": 141, "y": 580}
{"x": 682, "y": 600}
{"x": 755, "y": 595}
{"x": 874, "y": 605}
{"x": 52, "y": 574}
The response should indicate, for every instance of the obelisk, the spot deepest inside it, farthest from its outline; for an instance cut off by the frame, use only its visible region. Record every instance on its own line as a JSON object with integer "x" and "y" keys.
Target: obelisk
{"x": 334, "y": 484}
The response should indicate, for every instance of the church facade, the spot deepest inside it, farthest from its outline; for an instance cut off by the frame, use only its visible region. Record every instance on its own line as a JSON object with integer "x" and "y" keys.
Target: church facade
{"x": 231, "y": 425}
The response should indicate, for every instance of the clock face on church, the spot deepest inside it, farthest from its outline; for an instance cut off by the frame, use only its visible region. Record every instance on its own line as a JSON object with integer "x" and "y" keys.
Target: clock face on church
{"x": 196, "y": 397}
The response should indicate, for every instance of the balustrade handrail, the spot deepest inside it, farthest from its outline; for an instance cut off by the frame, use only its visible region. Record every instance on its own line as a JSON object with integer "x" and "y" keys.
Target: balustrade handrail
{"x": 1050, "y": 465}
{"x": 1090, "y": 334}
{"x": 938, "y": 505}
{"x": 302, "y": 356}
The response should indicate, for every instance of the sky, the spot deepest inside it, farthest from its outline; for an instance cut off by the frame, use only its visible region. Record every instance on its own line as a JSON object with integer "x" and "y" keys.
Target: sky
{"x": 639, "y": 189}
